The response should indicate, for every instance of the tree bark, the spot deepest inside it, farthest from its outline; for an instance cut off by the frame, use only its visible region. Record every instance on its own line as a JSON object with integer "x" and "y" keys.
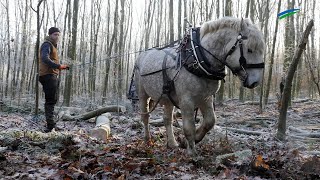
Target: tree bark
{"x": 281, "y": 134}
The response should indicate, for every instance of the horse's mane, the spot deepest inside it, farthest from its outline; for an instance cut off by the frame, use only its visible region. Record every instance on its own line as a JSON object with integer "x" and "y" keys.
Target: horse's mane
{"x": 254, "y": 33}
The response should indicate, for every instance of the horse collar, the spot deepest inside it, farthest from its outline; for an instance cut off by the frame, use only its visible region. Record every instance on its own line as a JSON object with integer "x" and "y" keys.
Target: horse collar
{"x": 194, "y": 60}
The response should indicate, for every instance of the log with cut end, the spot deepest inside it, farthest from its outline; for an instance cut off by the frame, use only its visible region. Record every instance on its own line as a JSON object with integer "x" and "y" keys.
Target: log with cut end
{"x": 102, "y": 128}
{"x": 91, "y": 114}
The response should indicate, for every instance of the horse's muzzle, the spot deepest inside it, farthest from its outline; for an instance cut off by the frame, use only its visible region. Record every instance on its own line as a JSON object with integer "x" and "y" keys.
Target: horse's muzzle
{"x": 250, "y": 85}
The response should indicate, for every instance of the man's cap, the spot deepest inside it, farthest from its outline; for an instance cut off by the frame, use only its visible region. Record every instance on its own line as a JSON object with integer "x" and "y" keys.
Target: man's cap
{"x": 53, "y": 30}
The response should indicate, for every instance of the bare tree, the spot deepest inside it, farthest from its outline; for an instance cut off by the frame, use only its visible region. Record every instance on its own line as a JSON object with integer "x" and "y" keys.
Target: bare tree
{"x": 227, "y": 12}
{"x": 37, "y": 55}
{"x": 281, "y": 133}
{"x": 171, "y": 20}
{"x": 8, "y": 48}
{"x": 110, "y": 47}
{"x": 266, "y": 97}
{"x": 71, "y": 54}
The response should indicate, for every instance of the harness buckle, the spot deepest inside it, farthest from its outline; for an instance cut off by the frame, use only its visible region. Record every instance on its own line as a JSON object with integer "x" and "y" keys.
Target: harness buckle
{"x": 195, "y": 65}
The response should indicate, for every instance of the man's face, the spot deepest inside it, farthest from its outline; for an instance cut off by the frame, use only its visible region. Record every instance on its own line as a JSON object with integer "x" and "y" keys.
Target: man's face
{"x": 55, "y": 36}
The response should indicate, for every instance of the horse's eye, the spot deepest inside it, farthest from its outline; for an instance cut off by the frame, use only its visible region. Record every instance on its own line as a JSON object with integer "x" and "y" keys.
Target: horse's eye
{"x": 249, "y": 50}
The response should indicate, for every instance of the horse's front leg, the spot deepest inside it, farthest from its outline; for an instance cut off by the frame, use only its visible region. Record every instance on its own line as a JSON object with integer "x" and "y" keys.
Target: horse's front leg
{"x": 189, "y": 127}
{"x": 209, "y": 118}
{"x": 167, "y": 118}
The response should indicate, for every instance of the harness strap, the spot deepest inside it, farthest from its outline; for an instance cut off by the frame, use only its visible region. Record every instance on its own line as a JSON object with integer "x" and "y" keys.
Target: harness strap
{"x": 168, "y": 84}
{"x": 155, "y": 72}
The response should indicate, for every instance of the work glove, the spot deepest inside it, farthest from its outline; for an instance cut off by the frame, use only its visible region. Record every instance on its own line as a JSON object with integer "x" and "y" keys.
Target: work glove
{"x": 63, "y": 66}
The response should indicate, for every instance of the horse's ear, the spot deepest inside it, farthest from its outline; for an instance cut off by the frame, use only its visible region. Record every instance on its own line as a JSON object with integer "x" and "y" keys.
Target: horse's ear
{"x": 258, "y": 25}
{"x": 243, "y": 24}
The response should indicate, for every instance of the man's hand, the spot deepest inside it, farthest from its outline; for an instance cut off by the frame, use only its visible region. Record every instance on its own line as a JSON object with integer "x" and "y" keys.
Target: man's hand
{"x": 63, "y": 66}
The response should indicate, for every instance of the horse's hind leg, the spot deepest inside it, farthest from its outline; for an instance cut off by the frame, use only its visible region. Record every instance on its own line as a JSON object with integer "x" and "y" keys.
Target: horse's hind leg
{"x": 208, "y": 119}
{"x": 145, "y": 118}
{"x": 144, "y": 108}
{"x": 167, "y": 118}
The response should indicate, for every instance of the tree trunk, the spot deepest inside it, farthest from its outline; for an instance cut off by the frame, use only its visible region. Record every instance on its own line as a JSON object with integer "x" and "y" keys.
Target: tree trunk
{"x": 110, "y": 47}
{"x": 287, "y": 87}
{"x": 171, "y": 19}
{"x": 37, "y": 57}
{"x": 266, "y": 97}
{"x": 9, "y": 49}
{"x": 227, "y": 12}
{"x": 71, "y": 54}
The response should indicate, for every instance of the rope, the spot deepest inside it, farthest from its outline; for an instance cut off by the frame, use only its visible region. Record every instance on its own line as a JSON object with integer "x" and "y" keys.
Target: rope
{"x": 124, "y": 54}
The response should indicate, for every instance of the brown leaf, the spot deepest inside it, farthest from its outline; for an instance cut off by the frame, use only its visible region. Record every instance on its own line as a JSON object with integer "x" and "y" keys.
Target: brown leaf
{"x": 122, "y": 177}
{"x": 260, "y": 163}
{"x": 107, "y": 168}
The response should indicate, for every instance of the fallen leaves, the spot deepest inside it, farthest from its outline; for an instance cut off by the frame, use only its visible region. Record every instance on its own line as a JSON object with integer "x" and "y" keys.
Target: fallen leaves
{"x": 126, "y": 156}
{"x": 260, "y": 163}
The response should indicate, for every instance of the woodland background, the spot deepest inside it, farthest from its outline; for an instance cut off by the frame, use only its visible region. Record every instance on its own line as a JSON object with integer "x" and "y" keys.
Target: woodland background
{"x": 99, "y": 40}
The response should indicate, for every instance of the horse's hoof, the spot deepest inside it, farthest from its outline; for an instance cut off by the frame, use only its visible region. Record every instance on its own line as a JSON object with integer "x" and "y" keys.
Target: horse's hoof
{"x": 182, "y": 143}
{"x": 193, "y": 154}
{"x": 172, "y": 145}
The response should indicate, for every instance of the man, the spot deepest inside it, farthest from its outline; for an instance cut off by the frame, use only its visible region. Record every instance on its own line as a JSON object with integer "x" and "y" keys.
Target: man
{"x": 48, "y": 72}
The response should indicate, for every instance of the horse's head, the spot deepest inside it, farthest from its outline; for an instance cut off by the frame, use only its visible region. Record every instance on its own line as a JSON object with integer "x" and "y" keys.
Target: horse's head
{"x": 241, "y": 47}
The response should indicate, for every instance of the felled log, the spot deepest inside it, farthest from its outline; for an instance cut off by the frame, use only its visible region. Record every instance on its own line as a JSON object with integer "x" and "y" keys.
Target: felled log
{"x": 95, "y": 113}
{"x": 241, "y": 156}
{"x": 256, "y": 102}
{"x": 304, "y": 139}
{"x": 242, "y": 131}
{"x": 314, "y": 114}
{"x": 309, "y": 134}
{"x": 102, "y": 129}
{"x": 301, "y": 100}
{"x": 297, "y": 130}
{"x": 157, "y": 122}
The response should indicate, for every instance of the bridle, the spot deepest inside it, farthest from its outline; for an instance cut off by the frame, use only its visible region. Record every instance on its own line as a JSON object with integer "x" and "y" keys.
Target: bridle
{"x": 203, "y": 60}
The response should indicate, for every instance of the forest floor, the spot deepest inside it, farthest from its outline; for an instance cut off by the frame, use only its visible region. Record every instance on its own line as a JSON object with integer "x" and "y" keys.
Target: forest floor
{"x": 242, "y": 145}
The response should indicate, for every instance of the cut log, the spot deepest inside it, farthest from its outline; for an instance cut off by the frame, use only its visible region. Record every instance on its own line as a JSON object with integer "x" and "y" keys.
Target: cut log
{"x": 157, "y": 122}
{"x": 242, "y": 131}
{"x": 240, "y": 156}
{"x": 297, "y": 130}
{"x": 309, "y": 134}
{"x": 94, "y": 113}
{"x": 301, "y": 100}
{"x": 304, "y": 139}
{"x": 102, "y": 128}
{"x": 256, "y": 102}
{"x": 314, "y": 114}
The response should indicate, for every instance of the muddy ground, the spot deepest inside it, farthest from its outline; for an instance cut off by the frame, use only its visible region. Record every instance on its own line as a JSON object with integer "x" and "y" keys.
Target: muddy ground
{"x": 241, "y": 146}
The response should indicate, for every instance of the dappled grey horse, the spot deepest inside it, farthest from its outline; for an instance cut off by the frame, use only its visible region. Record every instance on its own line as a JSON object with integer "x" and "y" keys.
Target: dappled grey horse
{"x": 187, "y": 74}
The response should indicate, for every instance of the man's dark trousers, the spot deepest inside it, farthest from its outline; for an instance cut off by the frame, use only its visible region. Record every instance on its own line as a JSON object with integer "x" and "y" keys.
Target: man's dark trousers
{"x": 50, "y": 87}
